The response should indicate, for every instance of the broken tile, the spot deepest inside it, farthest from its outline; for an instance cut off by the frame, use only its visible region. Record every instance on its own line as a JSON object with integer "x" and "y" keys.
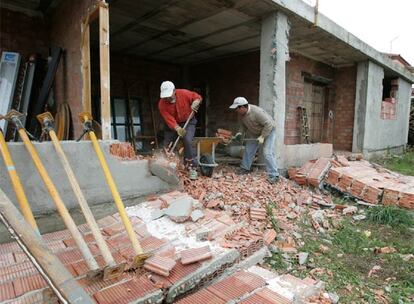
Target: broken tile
{"x": 269, "y": 236}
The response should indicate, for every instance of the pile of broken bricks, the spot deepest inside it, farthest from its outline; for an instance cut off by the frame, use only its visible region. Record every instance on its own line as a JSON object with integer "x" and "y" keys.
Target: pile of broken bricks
{"x": 359, "y": 179}
{"x": 123, "y": 151}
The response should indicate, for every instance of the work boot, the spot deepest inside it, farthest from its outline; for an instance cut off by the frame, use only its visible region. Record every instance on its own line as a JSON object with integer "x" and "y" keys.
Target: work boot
{"x": 242, "y": 171}
{"x": 192, "y": 174}
{"x": 273, "y": 179}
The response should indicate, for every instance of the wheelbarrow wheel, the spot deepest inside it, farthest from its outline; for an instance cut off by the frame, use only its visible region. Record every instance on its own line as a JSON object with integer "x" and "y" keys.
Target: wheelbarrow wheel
{"x": 206, "y": 159}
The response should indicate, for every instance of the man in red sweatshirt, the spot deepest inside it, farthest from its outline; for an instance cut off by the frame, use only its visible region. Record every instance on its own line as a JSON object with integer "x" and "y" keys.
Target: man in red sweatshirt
{"x": 175, "y": 107}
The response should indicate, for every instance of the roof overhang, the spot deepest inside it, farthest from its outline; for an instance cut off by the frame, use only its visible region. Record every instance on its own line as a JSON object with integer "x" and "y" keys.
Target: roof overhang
{"x": 344, "y": 43}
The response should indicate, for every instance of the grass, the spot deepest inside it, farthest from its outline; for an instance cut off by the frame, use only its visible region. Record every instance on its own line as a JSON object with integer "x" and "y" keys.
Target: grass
{"x": 403, "y": 164}
{"x": 390, "y": 215}
{"x": 352, "y": 255}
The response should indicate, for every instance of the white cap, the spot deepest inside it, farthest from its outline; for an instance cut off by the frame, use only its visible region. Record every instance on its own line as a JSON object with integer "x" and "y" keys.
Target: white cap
{"x": 238, "y": 101}
{"x": 167, "y": 89}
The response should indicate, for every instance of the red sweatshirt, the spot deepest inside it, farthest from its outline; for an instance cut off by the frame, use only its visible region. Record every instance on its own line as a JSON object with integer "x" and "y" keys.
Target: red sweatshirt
{"x": 178, "y": 112}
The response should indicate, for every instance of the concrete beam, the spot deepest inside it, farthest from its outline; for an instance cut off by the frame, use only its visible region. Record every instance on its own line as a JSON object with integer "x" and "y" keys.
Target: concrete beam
{"x": 274, "y": 53}
{"x": 307, "y": 13}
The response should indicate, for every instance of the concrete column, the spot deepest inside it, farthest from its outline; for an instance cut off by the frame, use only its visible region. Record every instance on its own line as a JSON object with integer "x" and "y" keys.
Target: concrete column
{"x": 360, "y": 106}
{"x": 274, "y": 53}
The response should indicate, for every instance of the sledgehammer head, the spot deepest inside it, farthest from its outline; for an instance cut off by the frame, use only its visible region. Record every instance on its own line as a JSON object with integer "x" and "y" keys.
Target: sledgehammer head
{"x": 165, "y": 170}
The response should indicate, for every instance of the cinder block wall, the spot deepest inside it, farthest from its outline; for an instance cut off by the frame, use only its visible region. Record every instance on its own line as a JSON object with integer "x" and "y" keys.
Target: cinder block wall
{"x": 23, "y": 34}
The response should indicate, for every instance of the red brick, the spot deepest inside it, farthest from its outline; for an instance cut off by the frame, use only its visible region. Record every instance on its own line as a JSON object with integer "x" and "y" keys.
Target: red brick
{"x": 6, "y": 292}
{"x": 269, "y": 236}
{"x": 204, "y": 296}
{"x": 125, "y": 292}
{"x": 26, "y": 284}
{"x": 160, "y": 265}
{"x": 190, "y": 256}
{"x": 236, "y": 286}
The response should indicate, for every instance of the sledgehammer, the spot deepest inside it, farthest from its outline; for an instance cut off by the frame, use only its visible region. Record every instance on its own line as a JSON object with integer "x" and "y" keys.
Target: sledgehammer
{"x": 111, "y": 270}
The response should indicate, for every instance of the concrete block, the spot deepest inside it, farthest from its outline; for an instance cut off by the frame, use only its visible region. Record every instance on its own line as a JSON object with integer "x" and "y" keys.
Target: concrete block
{"x": 180, "y": 210}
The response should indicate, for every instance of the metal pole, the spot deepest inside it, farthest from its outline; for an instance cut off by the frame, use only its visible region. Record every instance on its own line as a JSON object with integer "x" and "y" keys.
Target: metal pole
{"x": 52, "y": 270}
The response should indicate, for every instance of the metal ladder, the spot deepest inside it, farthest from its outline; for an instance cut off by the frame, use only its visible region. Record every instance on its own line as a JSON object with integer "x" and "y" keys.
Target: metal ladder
{"x": 304, "y": 127}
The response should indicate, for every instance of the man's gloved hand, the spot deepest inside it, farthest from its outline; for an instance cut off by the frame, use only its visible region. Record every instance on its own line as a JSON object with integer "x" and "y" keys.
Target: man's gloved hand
{"x": 195, "y": 105}
{"x": 180, "y": 131}
{"x": 237, "y": 137}
{"x": 261, "y": 139}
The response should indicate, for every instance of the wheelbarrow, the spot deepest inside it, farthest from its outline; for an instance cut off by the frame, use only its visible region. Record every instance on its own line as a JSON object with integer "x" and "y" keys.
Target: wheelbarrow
{"x": 206, "y": 158}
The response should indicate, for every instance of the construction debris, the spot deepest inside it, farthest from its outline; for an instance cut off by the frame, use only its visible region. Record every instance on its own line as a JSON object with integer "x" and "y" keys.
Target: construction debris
{"x": 362, "y": 180}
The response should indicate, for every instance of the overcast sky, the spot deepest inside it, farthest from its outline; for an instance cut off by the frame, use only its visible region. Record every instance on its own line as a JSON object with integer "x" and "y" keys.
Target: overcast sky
{"x": 376, "y": 22}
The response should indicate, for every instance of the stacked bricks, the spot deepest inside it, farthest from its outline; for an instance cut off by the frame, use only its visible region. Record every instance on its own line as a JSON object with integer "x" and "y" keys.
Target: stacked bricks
{"x": 344, "y": 85}
{"x": 225, "y": 135}
{"x": 389, "y": 109}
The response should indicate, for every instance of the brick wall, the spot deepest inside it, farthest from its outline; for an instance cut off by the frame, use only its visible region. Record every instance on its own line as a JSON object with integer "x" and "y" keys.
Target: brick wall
{"x": 65, "y": 32}
{"x": 228, "y": 78}
{"x": 23, "y": 34}
{"x": 295, "y": 93}
{"x": 143, "y": 79}
{"x": 345, "y": 86}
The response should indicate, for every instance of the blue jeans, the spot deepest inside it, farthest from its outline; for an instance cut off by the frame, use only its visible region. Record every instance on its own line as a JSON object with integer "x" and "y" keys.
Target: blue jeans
{"x": 189, "y": 153}
{"x": 268, "y": 154}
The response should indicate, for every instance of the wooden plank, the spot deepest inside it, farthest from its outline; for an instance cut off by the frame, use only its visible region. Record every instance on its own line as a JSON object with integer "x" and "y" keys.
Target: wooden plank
{"x": 86, "y": 71}
{"x": 104, "y": 69}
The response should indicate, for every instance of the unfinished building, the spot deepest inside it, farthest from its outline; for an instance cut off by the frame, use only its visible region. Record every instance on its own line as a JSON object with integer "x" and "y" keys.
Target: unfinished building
{"x": 279, "y": 55}
{"x": 326, "y": 89}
